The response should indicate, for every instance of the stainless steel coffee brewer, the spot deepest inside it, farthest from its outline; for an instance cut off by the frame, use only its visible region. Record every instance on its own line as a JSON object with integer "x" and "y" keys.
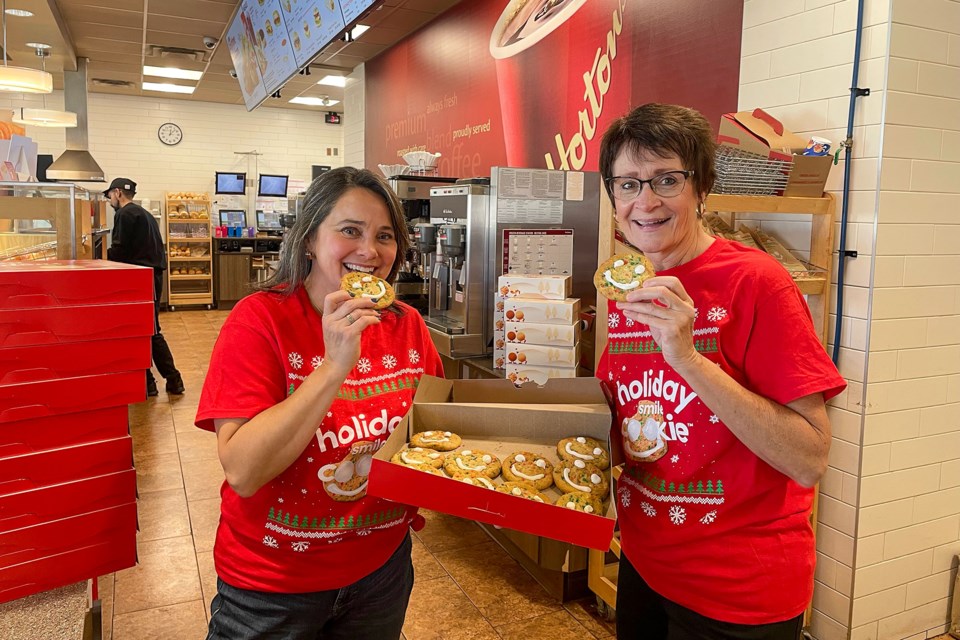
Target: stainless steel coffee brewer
{"x": 458, "y": 278}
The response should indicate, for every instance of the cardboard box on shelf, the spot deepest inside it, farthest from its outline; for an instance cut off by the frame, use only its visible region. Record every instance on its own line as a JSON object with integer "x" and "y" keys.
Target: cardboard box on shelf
{"x": 560, "y": 335}
{"x": 541, "y": 311}
{"x": 499, "y": 333}
{"x": 538, "y": 374}
{"x": 494, "y": 416}
{"x": 759, "y": 132}
{"x": 547, "y": 287}
{"x": 543, "y": 355}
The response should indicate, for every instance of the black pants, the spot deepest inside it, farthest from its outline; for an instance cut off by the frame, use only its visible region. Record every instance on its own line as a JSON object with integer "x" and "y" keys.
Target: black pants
{"x": 644, "y": 613}
{"x": 162, "y": 357}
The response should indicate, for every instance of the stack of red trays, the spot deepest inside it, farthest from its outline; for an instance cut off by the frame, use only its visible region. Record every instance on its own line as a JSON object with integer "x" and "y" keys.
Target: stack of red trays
{"x": 74, "y": 345}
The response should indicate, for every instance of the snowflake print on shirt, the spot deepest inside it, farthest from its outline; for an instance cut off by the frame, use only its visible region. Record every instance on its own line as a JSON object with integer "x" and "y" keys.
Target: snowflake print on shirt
{"x": 299, "y": 546}
{"x": 624, "y": 494}
{"x": 271, "y": 542}
{"x": 709, "y": 518}
{"x": 296, "y": 360}
{"x": 414, "y": 356}
{"x": 316, "y": 362}
{"x": 613, "y": 321}
{"x": 389, "y": 361}
{"x": 629, "y": 322}
{"x": 674, "y": 458}
{"x": 678, "y": 515}
{"x": 716, "y": 314}
{"x": 363, "y": 365}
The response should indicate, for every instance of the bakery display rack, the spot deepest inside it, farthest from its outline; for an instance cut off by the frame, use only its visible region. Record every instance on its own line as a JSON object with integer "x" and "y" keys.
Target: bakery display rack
{"x": 189, "y": 250}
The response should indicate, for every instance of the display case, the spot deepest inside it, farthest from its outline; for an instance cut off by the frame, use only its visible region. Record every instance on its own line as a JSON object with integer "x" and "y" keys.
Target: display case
{"x": 46, "y": 221}
{"x": 189, "y": 250}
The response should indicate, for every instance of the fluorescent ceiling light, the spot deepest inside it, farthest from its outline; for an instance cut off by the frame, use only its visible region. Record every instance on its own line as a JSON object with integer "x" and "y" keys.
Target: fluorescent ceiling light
{"x": 23, "y": 80}
{"x": 38, "y": 45}
{"x": 44, "y": 117}
{"x": 315, "y": 102}
{"x": 334, "y": 81}
{"x": 20, "y": 13}
{"x": 168, "y": 88}
{"x": 359, "y": 30}
{"x": 172, "y": 72}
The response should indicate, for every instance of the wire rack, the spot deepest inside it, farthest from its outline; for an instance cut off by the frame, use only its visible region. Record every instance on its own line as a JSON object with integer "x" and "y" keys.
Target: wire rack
{"x": 745, "y": 173}
{"x": 42, "y": 251}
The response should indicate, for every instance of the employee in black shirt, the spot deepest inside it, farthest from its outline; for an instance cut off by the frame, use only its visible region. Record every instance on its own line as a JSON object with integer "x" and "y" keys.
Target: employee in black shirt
{"x": 136, "y": 239}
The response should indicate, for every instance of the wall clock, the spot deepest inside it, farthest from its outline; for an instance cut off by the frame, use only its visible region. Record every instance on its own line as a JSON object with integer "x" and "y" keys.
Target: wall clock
{"x": 170, "y": 133}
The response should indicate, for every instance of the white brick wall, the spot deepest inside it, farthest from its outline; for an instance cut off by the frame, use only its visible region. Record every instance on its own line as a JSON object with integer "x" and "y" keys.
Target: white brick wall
{"x": 895, "y": 463}
{"x": 123, "y": 140}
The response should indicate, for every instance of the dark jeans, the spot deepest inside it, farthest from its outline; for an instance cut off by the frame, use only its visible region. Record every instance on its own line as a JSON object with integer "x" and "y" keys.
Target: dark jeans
{"x": 644, "y": 613}
{"x": 162, "y": 357}
{"x": 373, "y": 608}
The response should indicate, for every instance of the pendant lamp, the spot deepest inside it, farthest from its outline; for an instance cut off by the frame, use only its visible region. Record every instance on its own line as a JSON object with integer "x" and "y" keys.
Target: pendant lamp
{"x": 21, "y": 79}
{"x": 44, "y": 117}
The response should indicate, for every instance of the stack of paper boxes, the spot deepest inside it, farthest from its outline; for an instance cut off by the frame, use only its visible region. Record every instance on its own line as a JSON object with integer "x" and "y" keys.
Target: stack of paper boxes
{"x": 536, "y": 328}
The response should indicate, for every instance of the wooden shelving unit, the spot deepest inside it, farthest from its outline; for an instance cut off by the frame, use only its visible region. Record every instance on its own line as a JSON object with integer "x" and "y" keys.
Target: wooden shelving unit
{"x": 602, "y": 575}
{"x": 189, "y": 250}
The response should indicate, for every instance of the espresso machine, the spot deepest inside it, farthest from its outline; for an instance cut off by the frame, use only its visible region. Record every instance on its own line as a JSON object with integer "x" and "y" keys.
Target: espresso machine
{"x": 414, "y": 194}
{"x": 459, "y": 289}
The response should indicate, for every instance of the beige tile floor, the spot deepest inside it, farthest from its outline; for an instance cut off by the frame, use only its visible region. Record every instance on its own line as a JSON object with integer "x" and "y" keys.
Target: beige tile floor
{"x": 466, "y": 586}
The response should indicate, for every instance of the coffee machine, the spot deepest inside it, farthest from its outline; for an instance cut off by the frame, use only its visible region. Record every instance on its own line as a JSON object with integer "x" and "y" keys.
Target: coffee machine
{"x": 414, "y": 194}
{"x": 458, "y": 278}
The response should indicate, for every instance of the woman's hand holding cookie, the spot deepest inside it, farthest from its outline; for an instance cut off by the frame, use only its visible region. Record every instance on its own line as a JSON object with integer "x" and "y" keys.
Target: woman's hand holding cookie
{"x": 664, "y": 305}
{"x": 344, "y": 319}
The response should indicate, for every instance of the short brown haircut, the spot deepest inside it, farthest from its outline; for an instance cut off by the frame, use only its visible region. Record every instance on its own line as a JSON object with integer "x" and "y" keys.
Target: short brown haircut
{"x": 662, "y": 130}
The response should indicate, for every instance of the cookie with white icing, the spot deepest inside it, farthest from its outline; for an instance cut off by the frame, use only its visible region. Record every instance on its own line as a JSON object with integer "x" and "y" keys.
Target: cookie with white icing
{"x": 418, "y": 457}
{"x": 642, "y": 440}
{"x": 522, "y": 490}
{"x": 583, "y": 448}
{"x": 524, "y": 466}
{"x": 478, "y": 481}
{"x": 580, "y": 501}
{"x": 367, "y": 285}
{"x": 577, "y": 475}
{"x": 621, "y": 274}
{"x": 472, "y": 462}
{"x": 439, "y": 440}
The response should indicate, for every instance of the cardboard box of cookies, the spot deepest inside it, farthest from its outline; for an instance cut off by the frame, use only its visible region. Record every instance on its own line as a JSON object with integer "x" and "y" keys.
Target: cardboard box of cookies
{"x": 539, "y": 374}
{"x": 497, "y": 422}
{"x": 561, "y": 335}
{"x": 548, "y": 287}
{"x": 543, "y": 355}
{"x": 541, "y": 311}
{"x": 499, "y": 335}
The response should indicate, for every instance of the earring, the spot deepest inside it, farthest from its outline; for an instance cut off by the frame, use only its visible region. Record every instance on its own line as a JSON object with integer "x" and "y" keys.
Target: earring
{"x": 700, "y": 210}
{"x": 308, "y": 255}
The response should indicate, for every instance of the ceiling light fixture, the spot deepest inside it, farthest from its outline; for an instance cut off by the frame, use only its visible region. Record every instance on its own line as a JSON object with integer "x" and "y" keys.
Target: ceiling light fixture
{"x": 167, "y": 88}
{"x": 334, "y": 81}
{"x": 21, "y": 79}
{"x": 314, "y": 102}
{"x": 44, "y": 117}
{"x": 20, "y": 13}
{"x": 38, "y": 45}
{"x": 359, "y": 30}
{"x": 172, "y": 72}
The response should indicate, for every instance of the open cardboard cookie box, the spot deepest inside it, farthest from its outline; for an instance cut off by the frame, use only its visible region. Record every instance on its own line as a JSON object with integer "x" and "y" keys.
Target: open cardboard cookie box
{"x": 497, "y": 417}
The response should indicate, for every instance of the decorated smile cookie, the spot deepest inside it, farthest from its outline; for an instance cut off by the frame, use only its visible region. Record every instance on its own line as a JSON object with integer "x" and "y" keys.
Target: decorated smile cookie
{"x": 418, "y": 457}
{"x": 346, "y": 481}
{"x": 524, "y": 466}
{"x": 478, "y": 481}
{"x": 641, "y": 433}
{"x": 522, "y": 490}
{"x": 583, "y": 448}
{"x": 621, "y": 274}
{"x": 470, "y": 463}
{"x": 439, "y": 440}
{"x": 577, "y": 475}
{"x": 367, "y": 285}
{"x": 580, "y": 501}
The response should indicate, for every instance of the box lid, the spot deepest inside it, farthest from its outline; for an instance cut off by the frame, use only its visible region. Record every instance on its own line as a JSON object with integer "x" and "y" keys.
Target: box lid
{"x": 29, "y": 327}
{"x": 61, "y": 283}
{"x": 759, "y": 132}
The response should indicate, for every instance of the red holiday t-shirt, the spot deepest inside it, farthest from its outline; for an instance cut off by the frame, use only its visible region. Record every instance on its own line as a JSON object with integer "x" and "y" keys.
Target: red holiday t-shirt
{"x": 313, "y": 527}
{"x": 706, "y": 522}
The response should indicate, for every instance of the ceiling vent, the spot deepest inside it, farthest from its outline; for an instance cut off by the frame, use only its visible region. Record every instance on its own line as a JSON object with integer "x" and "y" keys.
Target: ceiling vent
{"x": 108, "y": 82}
{"x": 176, "y": 53}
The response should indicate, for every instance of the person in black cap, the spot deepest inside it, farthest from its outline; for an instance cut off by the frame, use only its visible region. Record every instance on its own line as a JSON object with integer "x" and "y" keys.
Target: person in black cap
{"x": 136, "y": 240}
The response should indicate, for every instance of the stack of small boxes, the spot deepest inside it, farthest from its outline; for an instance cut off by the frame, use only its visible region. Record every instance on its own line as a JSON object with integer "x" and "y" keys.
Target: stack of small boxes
{"x": 536, "y": 328}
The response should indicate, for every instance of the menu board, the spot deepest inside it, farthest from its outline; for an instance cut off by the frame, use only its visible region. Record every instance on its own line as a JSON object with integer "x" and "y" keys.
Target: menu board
{"x": 270, "y": 40}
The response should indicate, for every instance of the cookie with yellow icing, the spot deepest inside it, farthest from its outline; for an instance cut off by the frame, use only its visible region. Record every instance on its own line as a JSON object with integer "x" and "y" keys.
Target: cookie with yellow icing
{"x": 580, "y": 501}
{"x": 621, "y": 274}
{"x": 472, "y": 462}
{"x": 522, "y": 490}
{"x": 418, "y": 456}
{"x": 439, "y": 440}
{"x": 367, "y": 285}
{"x": 524, "y": 466}
{"x": 583, "y": 448}
{"x": 577, "y": 475}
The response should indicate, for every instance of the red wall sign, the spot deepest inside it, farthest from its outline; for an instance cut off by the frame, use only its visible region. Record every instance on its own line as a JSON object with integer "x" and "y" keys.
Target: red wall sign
{"x": 534, "y": 83}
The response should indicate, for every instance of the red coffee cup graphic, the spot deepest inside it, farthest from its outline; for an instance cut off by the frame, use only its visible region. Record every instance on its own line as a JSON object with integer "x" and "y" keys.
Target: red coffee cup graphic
{"x": 564, "y": 73}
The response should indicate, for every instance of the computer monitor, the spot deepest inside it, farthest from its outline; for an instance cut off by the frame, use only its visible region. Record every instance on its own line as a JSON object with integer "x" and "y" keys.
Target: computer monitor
{"x": 271, "y": 186}
{"x": 233, "y": 218}
{"x": 231, "y": 183}
{"x": 269, "y": 222}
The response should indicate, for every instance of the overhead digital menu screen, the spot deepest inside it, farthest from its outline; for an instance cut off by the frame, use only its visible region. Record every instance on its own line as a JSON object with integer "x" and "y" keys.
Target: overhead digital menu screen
{"x": 312, "y": 25}
{"x": 353, "y": 8}
{"x": 245, "y": 51}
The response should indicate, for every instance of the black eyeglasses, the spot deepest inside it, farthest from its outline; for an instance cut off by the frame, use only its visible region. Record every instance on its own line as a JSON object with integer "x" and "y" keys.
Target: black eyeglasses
{"x": 666, "y": 185}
